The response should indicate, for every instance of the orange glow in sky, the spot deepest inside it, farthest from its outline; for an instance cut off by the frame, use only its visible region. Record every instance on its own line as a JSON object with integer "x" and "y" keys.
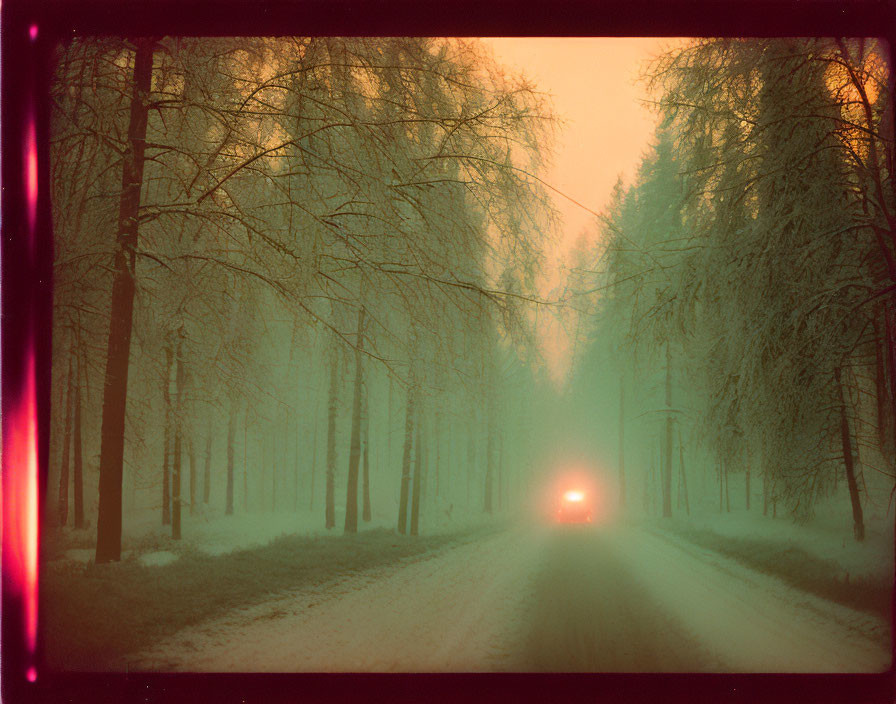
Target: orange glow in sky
{"x": 593, "y": 83}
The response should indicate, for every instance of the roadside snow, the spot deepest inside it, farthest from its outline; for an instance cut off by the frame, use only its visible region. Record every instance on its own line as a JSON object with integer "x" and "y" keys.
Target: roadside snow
{"x": 471, "y": 608}
{"x": 157, "y": 559}
{"x": 457, "y": 611}
{"x": 215, "y": 534}
{"x": 755, "y": 622}
{"x": 825, "y": 539}
{"x": 80, "y": 555}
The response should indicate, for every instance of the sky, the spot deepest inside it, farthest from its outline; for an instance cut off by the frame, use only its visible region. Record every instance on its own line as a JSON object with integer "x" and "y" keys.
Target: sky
{"x": 593, "y": 83}
{"x": 606, "y": 129}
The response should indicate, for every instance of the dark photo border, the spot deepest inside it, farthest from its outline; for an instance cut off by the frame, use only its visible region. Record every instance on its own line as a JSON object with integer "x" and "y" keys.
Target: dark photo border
{"x": 30, "y": 30}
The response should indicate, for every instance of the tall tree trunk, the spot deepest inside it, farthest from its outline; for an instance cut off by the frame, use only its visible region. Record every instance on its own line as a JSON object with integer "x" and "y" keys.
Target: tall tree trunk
{"x": 192, "y": 476}
{"x": 622, "y": 439}
{"x": 678, "y": 491}
{"x": 66, "y": 445}
{"x": 207, "y": 469}
{"x": 721, "y": 484}
{"x": 406, "y": 462}
{"x": 774, "y": 497}
{"x": 437, "y": 440}
{"x": 354, "y": 452}
{"x": 79, "y": 455}
{"x": 264, "y": 471}
{"x": 471, "y": 455}
{"x": 885, "y": 404}
{"x": 169, "y": 427}
{"x": 647, "y": 479}
{"x": 890, "y": 330}
{"x": 313, "y": 458}
{"x": 274, "y": 465}
{"x": 365, "y": 454}
{"x": 331, "y": 440}
{"x": 449, "y": 459}
{"x": 846, "y": 442}
{"x": 667, "y": 459}
{"x": 231, "y": 432}
{"x": 391, "y": 428}
{"x": 295, "y": 466}
{"x": 727, "y": 494}
{"x": 418, "y": 472}
{"x": 684, "y": 474}
{"x": 115, "y": 385}
{"x": 499, "y": 441}
{"x": 489, "y": 463}
{"x": 246, "y": 461}
{"x": 176, "y": 464}
{"x": 424, "y": 467}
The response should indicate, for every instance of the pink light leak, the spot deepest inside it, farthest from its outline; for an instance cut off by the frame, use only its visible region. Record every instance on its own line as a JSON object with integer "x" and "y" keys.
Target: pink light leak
{"x": 31, "y": 173}
{"x": 32, "y": 674}
{"x": 32, "y": 32}
{"x": 20, "y": 516}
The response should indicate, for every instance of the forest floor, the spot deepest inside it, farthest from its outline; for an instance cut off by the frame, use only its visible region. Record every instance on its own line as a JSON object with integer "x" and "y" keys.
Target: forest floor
{"x": 94, "y": 616}
{"x": 147, "y": 541}
{"x": 619, "y": 598}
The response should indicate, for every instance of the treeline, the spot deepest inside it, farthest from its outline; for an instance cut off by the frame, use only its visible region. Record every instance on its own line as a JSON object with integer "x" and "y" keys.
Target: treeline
{"x": 272, "y": 253}
{"x": 750, "y": 273}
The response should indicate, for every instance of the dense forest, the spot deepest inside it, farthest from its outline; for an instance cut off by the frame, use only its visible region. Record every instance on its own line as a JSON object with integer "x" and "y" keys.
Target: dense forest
{"x": 304, "y": 274}
{"x": 743, "y": 291}
{"x": 273, "y": 256}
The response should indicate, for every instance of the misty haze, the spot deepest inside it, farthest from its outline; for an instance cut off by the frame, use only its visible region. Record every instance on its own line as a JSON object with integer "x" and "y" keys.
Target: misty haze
{"x": 409, "y": 354}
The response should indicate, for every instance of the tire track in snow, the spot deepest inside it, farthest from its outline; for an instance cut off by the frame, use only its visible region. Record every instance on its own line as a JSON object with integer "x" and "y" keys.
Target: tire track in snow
{"x": 590, "y": 613}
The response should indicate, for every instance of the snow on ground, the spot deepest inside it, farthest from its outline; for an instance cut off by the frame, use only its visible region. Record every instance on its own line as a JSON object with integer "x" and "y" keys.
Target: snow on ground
{"x": 472, "y": 608}
{"x": 157, "y": 558}
{"x": 457, "y": 611}
{"x": 754, "y": 622}
{"x": 80, "y": 555}
{"x": 144, "y": 538}
{"x": 826, "y": 538}
{"x": 221, "y": 534}
{"x": 215, "y": 534}
{"x": 150, "y": 543}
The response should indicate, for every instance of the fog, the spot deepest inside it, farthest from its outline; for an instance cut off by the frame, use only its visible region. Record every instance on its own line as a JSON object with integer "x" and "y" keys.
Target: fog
{"x": 339, "y": 385}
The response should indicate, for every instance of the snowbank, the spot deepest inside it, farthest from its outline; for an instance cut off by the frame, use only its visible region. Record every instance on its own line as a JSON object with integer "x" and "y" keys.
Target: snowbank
{"x": 144, "y": 538}
{"x": 825, "y": 539}
{"x": 157, "y": 559}
{"x": 755, "y": 622}
{"x": 95, "y": 615}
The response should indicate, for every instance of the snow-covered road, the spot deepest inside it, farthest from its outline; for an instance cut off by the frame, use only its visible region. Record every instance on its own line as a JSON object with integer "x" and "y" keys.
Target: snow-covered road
{"x": 570, "y": 599}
